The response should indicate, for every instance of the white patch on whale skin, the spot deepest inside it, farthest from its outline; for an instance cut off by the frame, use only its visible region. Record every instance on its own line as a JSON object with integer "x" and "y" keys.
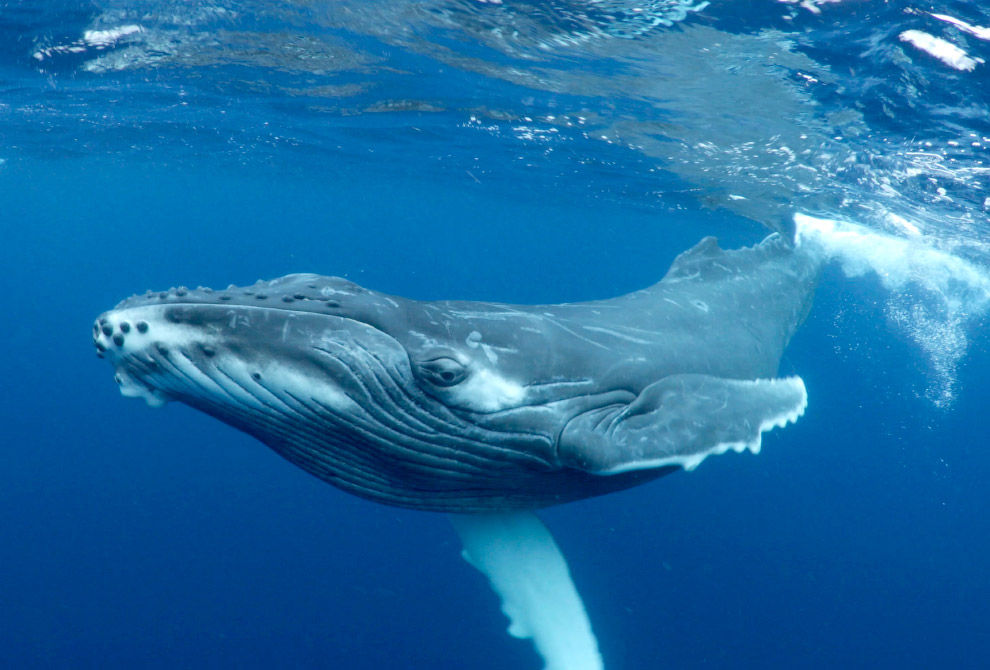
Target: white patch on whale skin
{"x": 503, "y": 315}
{"x": 621, "y": 336}
{"x": 160, "y": 331}
{"x": 426, "y": 341}
{"x": 473, "y": 340}
{"x": 278, "y": 378}
{"x": 487, "y": 391}
{"x": 129, "y": 388}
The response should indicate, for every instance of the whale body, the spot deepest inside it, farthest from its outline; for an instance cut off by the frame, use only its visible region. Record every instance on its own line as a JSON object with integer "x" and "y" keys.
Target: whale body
{"x": 486, "y": 410}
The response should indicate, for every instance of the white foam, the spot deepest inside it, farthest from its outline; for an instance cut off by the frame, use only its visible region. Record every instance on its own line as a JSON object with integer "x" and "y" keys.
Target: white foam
{"x": 945, "y": 51}
{"x": 934, "y": 294}
{"x": 977, "y": 31}
{"x": 526, "y": 569}
{"x": 897, "y": 261}
{"x": 91, "y": 39}
{"x": 813, "y": 6}
{"x": 105, "y": 38}
{"x": 943, "y": 339}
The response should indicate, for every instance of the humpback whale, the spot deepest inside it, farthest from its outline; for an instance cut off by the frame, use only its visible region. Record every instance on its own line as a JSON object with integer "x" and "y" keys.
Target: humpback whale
{"x": 484, "y": 410}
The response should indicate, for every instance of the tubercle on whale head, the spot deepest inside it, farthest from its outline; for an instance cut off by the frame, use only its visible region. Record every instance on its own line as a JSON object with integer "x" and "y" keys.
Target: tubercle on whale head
{"x": 175, "y": 309}
{"x": 115, "y": 335}
{"x": 299, "y": 292}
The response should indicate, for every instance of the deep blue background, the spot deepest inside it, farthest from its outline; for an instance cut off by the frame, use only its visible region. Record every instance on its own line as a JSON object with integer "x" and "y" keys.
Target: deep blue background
{"x": 163, "y": 539}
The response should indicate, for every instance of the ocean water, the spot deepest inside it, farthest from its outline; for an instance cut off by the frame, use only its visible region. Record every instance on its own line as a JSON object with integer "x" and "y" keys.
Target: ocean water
{"x": 519, "y": 151}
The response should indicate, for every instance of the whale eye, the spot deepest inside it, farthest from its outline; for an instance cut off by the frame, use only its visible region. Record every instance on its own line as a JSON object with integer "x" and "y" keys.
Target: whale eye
{"x": 443, "y": 371}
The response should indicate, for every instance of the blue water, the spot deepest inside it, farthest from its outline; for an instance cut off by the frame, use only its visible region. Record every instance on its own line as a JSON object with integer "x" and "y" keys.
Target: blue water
{"x": 520, "y": 152}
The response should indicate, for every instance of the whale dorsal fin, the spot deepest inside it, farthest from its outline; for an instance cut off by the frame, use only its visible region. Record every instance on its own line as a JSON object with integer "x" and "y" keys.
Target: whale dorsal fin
{"x": 707, "y": 261}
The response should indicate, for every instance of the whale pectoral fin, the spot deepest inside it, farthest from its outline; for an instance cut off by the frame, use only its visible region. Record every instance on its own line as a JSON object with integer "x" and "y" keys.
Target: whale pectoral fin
{"x": 518, "y": 555}
{"x": 680, "y": 420}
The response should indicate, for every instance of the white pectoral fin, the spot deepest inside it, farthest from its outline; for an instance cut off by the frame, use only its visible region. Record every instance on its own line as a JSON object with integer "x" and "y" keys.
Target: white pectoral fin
{"x": 518, "y": 555}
